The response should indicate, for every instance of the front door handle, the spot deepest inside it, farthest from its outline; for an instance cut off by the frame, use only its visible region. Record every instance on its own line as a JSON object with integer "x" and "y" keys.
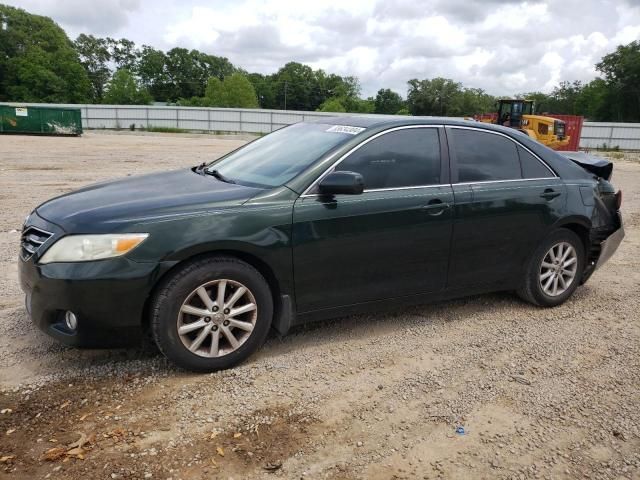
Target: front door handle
{"x": 435, "y": 207}
{"x": 550, "y": 194}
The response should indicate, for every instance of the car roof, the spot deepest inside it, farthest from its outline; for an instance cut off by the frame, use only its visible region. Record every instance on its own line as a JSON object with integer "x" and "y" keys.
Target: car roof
{"x": 375, "y": 121}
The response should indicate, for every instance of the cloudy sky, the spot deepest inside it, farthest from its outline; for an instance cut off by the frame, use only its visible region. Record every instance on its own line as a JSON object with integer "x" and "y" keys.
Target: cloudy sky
{"x": 502, "y": 46}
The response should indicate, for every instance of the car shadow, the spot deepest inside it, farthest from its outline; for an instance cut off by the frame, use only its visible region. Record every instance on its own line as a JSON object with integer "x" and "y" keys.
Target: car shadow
{"x": 380, "y": 324}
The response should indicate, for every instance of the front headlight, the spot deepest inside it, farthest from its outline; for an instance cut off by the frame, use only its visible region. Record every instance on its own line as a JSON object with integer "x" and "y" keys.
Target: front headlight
{"x": 84, "y": 248}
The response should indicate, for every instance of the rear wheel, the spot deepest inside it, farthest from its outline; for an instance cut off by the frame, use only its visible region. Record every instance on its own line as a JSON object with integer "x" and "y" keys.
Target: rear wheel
{"x": 554, "y": 271}
{"x": 212, "y": 314}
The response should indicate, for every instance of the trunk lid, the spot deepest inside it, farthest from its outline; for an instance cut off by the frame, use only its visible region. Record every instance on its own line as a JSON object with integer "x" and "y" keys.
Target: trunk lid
{"x": 601, "y": 167}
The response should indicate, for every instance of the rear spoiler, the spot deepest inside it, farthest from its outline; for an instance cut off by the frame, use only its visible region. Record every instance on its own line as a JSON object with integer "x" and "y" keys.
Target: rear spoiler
{"x": 597, "y": 165}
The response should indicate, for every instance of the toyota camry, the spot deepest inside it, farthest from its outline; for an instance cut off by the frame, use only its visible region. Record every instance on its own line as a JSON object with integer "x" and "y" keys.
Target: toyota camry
{"x": 315, "y": 220}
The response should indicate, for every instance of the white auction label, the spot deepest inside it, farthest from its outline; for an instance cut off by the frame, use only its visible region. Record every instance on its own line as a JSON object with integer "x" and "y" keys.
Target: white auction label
{"x": 345, "y": 129}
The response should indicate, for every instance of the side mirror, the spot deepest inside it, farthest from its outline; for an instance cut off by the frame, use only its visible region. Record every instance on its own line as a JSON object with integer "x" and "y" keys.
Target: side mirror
{"x": 348, "y": 183}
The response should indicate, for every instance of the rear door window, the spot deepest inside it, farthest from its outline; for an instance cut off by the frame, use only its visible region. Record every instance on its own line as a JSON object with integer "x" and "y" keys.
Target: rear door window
{"x": 483, "y": 156}
{"x": 531, "y": 166}
{"x": 402, "y": 158}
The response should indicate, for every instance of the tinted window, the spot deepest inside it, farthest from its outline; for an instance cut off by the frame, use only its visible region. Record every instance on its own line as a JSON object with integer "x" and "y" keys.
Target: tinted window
{"x": 403, "y": 158}
{"x": 484, "y": 156}
{"x": 278, "y": 157}
{"x": 531, "y": 166}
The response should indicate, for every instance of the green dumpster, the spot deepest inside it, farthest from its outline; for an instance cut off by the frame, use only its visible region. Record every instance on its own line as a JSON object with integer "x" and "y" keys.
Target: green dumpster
{"x": 40, "y": 120}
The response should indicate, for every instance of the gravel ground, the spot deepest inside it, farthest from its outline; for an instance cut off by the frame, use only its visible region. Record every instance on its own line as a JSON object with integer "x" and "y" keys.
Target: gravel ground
{"x": 539, "y": 393}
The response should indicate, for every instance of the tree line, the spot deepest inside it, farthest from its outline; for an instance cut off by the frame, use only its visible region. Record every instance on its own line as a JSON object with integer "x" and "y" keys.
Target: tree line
{"x": 39, "y": 63}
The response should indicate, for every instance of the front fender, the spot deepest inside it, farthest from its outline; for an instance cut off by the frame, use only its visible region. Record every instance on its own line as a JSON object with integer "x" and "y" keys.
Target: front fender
{"x": 261, "y": 231}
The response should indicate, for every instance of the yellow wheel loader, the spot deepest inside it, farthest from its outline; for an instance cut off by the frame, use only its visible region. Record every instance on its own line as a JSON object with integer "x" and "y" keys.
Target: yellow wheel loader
{"x": 520, "y": 114}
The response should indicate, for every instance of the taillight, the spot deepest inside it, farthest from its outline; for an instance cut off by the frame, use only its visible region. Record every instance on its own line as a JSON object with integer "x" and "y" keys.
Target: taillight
{"x": 618, "y": 199}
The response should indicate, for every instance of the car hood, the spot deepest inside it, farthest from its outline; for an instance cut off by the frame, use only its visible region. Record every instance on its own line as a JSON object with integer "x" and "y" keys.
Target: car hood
{"x": 141, "y": 198}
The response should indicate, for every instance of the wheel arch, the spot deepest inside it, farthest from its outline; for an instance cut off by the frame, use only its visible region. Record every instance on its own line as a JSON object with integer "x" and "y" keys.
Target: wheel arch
{"x": 265, "y": 269}
{"x": 579, "y": 225}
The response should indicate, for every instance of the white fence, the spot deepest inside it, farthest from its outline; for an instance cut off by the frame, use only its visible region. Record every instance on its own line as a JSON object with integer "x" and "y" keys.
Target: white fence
{"x": 625, "y": 136}
{"x": 186, "y": 118}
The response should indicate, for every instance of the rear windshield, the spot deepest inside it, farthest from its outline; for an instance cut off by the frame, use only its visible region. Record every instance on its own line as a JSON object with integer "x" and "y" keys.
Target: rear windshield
{"x": 276, "y": 158}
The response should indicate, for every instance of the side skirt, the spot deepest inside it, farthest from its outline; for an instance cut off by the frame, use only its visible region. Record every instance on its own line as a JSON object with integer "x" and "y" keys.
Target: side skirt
{"x": 394, "y": 303}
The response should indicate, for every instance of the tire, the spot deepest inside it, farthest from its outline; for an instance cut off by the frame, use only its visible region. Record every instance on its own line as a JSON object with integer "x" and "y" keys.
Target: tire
{"x": 534, "y": 289}
{"x": 185, "y": 324}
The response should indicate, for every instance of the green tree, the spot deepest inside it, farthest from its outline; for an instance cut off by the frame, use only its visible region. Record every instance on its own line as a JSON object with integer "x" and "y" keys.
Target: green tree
{"x": 38, "y": 62}
{"x": 543, "y": 102}
{"x": 359, "y": 105}
{"x": 151, "y": 69}
{"x": 564, "y": 97}
{"x": 215, "y": 93}
{"x": 123, "y": 53}
{"x": 471, "y": 101}
{"x": 239, "y": 92}
{"x": 186, "y": 72}
{"x": 334, "y": 86}
{"x": 194, "y": 102}
{"x": 95, "y": 57}
{"x": 595, "y": 102}
{"x": 236, "y": 91}
{"x": 432, "y": 97}
{"x": 332, "y": 105}
{"x": 123, "y": 89}
{"x": 388, "y": 102}
{"x": 621, "y": 70}
{"x": 296, "y": 87}
{"x": 263, "y": 85}
{"x": 213, "y": 66}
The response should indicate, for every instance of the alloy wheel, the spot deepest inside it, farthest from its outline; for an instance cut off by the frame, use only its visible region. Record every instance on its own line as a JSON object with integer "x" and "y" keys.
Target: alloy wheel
{"x": 217, "y": 318}
{"x": 558, "y": 269}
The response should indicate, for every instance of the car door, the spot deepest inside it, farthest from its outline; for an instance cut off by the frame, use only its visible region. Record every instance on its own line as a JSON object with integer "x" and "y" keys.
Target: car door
{"x": 391, "y": 240}
{"x": 505, "y": 200}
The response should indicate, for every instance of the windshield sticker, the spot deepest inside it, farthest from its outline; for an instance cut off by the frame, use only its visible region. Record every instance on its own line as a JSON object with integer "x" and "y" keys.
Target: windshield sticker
{"x": 345, "y": 129}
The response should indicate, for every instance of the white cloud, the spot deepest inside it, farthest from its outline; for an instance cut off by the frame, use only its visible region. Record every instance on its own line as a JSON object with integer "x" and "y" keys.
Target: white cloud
{"x": 101, "y": 17}
{"x": 502, "y": 46}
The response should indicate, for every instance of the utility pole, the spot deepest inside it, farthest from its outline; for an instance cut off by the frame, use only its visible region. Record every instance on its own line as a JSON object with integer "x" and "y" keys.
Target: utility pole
{"x": 285, "y": 94}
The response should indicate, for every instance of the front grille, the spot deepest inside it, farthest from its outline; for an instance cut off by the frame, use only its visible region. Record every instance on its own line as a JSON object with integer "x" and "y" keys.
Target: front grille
{"x": 32, "y": 240}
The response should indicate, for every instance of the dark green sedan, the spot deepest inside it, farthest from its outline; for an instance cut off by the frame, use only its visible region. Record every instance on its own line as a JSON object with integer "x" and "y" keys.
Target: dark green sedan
{"x": 315, "y": 220}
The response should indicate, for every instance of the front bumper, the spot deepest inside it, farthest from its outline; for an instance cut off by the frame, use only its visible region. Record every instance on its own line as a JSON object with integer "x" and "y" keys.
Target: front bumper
{"x": 107, "y": 296}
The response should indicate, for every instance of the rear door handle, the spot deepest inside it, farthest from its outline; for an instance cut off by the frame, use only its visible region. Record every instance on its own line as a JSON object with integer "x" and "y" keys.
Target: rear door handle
{"x": 550, "y": 194}
{"x": 435, "y": 207}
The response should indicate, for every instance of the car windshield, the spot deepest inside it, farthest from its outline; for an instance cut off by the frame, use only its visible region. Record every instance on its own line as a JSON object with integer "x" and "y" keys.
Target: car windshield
{"x": 275, "y": 159}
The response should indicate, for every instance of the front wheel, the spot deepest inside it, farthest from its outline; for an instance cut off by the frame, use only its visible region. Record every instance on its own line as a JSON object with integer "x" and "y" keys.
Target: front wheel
{"x": 554, "y": 271}
{"x": 212, "y": 314}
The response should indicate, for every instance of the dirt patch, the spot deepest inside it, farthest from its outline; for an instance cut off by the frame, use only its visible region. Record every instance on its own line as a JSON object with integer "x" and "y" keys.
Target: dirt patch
{"x": 72, "y": 430}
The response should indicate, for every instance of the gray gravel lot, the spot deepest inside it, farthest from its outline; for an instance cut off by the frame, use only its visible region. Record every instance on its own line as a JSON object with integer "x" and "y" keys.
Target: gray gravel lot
{"x": 540, "y": 393}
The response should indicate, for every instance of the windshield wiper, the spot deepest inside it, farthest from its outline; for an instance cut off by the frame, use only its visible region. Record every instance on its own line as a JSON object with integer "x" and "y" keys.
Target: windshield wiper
{"x": 201, "y": 170}
{"x": 218, "y": 175}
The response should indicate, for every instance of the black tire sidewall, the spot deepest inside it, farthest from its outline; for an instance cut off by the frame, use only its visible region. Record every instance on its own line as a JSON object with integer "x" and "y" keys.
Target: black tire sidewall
{"x": 170, "y": 298}
{"x": 560, "y": 235}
